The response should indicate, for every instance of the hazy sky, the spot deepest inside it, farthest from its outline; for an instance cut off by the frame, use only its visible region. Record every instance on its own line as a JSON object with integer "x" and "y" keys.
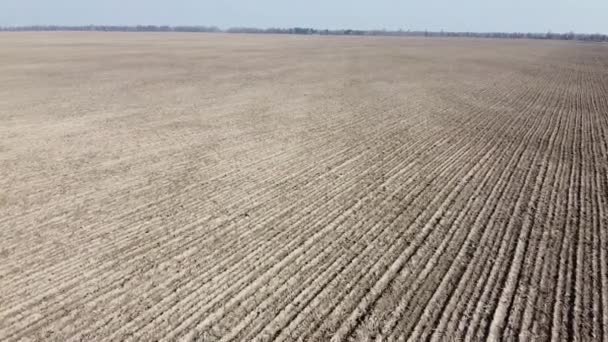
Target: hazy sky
{"x": 588, "y": 16}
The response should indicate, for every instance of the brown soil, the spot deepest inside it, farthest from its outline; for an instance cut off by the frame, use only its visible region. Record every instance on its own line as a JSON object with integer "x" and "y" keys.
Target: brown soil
{"x": 207, "y": 187}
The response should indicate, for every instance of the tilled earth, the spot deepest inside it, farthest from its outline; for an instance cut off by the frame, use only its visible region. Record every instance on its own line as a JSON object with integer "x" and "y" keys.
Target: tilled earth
{"x": 242, "y": 187}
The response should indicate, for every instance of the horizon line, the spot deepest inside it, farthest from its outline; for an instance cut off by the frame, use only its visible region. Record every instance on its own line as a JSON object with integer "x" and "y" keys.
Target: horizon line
{"x": 227, "y": 29}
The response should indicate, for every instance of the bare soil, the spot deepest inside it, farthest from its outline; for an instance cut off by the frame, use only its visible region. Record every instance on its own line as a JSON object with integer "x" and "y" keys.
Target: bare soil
{"x": 252, "y": 188}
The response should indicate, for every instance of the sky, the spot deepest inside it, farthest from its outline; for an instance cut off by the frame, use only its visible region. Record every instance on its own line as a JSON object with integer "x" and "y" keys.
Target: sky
{"x": 583, "y": 16}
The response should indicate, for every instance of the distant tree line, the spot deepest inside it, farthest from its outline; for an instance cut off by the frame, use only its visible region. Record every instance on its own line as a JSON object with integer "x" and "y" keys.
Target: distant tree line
{"x": 311, "y": 31}
{"x": 114, "y": 28}
{"x": 349, "y": 32}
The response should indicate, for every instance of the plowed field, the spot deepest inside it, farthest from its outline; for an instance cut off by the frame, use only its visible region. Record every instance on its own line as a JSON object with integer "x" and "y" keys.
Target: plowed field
{"x": 245, "y": 188}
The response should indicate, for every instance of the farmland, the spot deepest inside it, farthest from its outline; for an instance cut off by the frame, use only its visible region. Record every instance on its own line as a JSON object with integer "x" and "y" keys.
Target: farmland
{"x": 254, "y": 188}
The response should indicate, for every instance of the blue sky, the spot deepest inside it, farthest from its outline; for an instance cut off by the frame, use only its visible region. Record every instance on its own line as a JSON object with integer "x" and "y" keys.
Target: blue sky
{"x": 585, "y": 16}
